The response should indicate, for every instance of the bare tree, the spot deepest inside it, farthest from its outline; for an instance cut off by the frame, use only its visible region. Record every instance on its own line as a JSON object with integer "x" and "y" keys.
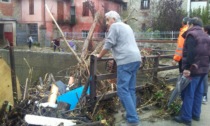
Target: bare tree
{"x": 169, "y": 15}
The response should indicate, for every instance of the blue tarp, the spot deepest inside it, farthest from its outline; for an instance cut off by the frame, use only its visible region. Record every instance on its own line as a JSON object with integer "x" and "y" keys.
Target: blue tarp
{"x": 72, "y": 97}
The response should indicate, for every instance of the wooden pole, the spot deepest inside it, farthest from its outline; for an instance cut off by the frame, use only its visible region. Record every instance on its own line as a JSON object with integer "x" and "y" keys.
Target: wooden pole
{"x": 13, "y": 75}
{"x": 89, "y": 37}
{"x": 75, "y": 54}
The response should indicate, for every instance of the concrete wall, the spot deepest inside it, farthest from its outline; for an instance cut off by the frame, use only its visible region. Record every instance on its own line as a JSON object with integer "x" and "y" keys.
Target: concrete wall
{"x": 41, "y": 62}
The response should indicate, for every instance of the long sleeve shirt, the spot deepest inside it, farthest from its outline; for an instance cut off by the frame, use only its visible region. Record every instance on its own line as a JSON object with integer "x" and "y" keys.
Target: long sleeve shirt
{"x": 121, "y": 41}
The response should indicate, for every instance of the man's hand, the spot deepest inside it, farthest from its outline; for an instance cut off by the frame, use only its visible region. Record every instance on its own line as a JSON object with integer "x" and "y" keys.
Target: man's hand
{"x": 102, "y": 53}
{"x": 174, "y": 63}
{"x": 97, "y": 55}
{"x": 186, "y": 73}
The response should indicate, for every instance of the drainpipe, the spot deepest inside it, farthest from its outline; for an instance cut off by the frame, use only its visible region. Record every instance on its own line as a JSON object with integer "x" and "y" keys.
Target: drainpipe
{"x": 44, "y": 14}
{"x": 188, "y": 7}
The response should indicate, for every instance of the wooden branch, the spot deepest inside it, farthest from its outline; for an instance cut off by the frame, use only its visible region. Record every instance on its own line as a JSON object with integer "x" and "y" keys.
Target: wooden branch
{"x": 89, "y": 37}
{"x": 52, "y": 78}
{"x": 129, "y": 15}
{"x": 98, "y": 48}
{"x": 25, "y": 90}
{"x": 75, "y": 54}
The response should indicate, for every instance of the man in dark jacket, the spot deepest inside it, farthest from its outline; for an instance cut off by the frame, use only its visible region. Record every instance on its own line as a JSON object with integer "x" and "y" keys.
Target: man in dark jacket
{"x": 195, "y": 64}
{"x": 56, "y": 44}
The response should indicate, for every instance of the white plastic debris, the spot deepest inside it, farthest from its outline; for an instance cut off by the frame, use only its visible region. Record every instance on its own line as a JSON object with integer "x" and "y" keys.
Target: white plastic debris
{"x": 48, "y": 104}
{"x": 47, "y": 121}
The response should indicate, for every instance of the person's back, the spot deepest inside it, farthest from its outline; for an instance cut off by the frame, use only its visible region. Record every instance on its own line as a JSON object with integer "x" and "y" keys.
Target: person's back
{"x": 125, "y": 49}
{"x": 57, "y": 42}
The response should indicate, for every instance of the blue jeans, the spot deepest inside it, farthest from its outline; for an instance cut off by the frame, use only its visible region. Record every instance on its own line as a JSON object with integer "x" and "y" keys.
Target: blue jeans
{"x": 192, "y": 99}
{"x": 126, "y": 86}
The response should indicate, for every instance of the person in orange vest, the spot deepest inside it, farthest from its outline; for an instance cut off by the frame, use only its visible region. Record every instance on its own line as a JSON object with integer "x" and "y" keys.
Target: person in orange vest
{"x": 180, "y": 43}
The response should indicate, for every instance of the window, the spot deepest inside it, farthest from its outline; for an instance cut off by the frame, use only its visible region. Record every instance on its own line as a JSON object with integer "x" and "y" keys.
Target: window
{"x": 85, "y": 11}
{"x": 84, "y": 33}
{"x": 31, "y": 7}
{"x": 145, "y": 4}
{"x": 72, "y": 15}
{"x": 6, "y": 1}
{"x": 124, "y": 6}
{"x": 60, "y": 11}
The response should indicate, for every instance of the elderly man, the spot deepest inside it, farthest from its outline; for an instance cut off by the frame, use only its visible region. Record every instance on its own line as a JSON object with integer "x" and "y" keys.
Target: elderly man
{"x": 195, "y": 64}
{"x": 121, "y": 41}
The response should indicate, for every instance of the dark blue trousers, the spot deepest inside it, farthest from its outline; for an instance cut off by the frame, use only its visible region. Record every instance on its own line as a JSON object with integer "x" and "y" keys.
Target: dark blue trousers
{"x": 192, "y": 98}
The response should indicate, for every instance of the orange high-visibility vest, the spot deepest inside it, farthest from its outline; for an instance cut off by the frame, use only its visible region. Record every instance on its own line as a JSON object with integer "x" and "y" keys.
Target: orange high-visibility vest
{"x": 180, "y": 44}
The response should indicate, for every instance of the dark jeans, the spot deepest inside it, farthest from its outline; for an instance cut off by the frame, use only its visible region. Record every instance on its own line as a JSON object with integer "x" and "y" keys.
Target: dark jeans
{"x": 192, "y": 98}
{"x": 56, "y": 47}
{"x": 29, "y": 45}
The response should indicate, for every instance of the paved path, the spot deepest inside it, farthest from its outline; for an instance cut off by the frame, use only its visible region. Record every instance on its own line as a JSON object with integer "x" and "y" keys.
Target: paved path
{"x": 204, "y": 120}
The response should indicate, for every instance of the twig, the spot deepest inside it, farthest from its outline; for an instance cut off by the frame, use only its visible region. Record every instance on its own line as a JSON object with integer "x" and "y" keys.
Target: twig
{"x": 97, "y": 104}
{"x": 149, "y": 105}
{"x": 25, "y": 89}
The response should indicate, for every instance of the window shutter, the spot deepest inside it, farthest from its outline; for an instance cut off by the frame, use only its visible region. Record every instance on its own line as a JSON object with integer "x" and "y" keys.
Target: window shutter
{"x": 31, "y": 7}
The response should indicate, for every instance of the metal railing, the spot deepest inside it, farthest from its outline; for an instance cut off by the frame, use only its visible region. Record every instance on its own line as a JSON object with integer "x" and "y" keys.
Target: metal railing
{"x": 164, "y": 35}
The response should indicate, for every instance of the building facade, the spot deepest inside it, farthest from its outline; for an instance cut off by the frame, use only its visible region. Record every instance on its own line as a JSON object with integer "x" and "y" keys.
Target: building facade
{"x": 8, "y": 20}
{"x": 31, "y": 17}
{"x": 71, "y": 16}
{"x": 74, "y": 16}
{"x": 142, "y": 11}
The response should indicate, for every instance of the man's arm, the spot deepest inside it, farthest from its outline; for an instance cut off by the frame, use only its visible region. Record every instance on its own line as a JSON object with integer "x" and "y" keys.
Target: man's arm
{"x": 102, "y": 53}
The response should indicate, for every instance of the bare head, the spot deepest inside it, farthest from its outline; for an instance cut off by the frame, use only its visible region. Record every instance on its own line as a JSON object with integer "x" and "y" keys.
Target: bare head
{"x": 112, "y": 17}
{"x": 185, "y": 20}
{"x": 207, "y": 29}
{"x": 195, "y": 21}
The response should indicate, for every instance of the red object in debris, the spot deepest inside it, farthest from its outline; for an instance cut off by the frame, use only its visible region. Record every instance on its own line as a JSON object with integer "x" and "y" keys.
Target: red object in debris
{"x": 9, "y": 36}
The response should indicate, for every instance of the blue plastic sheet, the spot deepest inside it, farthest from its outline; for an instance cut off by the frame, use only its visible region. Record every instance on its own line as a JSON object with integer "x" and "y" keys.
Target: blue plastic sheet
{"x": 72, "y": 97}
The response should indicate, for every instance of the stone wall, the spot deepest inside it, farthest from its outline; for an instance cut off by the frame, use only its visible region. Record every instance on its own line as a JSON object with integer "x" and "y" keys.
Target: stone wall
{"x": 41, "y": 62}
